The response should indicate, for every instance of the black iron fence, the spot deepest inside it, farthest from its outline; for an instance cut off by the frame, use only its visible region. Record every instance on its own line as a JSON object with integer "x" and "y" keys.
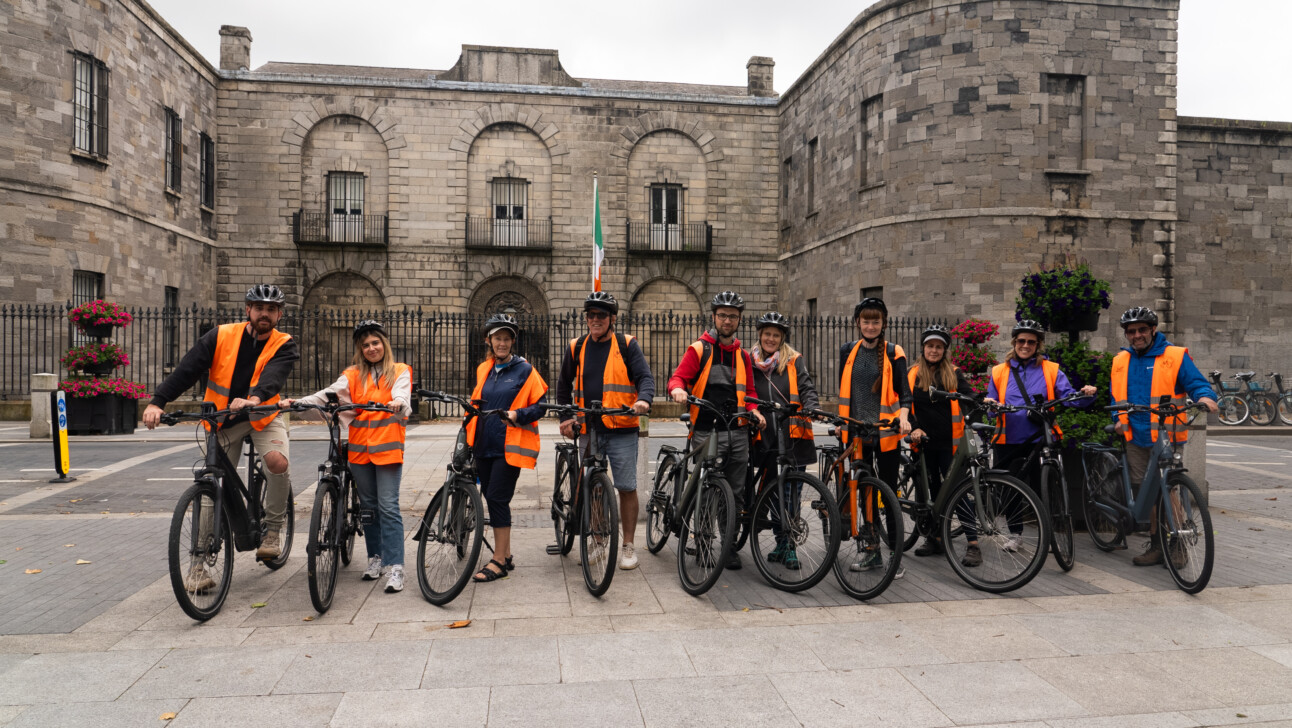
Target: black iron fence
{"x": 443, "y": 348}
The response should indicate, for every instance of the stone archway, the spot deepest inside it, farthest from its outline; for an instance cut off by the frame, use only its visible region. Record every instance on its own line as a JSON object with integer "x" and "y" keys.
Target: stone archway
{"x": 332, "y": 307}
{"x": 344, "y": 289}
{"x": 524, "y": 300}
{"x": 666, "y": 317}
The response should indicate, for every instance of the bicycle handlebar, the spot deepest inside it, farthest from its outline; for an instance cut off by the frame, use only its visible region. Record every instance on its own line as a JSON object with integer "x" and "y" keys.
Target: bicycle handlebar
{"x": 790, "y": 408}
{"x": 706, "y": 404}
{"x": 469, "y": 405}
{"x": 174, "y": 418}
{"x": 1042, "y": 408}
{"x": 1161, "y": 410}
{"x": 336, "y": 409}
{"x": 864, "y": 427}
{"x": 594, "y": 411}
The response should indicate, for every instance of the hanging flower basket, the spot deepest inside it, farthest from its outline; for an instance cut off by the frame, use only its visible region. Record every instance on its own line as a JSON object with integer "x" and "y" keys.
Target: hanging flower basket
{"x": 101, "y": 315}
{"x": 95, "y": 358}
{"x": 1063, "y": 298}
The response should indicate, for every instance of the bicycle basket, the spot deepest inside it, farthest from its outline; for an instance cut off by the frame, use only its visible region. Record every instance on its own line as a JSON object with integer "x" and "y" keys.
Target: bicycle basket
{"x": 1230, "y": 386}
{"x": 1257, "y": 386}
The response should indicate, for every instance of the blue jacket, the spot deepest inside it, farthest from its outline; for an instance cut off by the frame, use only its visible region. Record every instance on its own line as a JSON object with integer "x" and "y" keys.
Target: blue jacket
{"x": 1139, "y": 386}
{"x": 500, "y": 389}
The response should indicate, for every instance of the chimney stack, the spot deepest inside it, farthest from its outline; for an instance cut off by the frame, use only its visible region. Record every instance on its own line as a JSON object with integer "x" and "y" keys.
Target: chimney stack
{"x": 760, "y": 76}
{"x": 235, "y": 48}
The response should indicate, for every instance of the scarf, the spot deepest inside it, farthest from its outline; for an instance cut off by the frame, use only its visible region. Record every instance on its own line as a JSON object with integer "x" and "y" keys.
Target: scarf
{"x": 764, "y": 365}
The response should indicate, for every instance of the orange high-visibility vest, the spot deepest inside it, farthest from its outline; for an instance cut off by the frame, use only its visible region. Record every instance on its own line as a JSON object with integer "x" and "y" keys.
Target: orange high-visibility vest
{"x": 1165, "y": 370}
{"x": 1000, "y": 376}
{"x": 889, "y": 403}
{"x": 704, "y": 350}
{"x": 220, "y": 377}
{"x": 800, "y": 427}
{"x": 617, "y": 389}
{"x": 957, "y": 421}
{"x": 375, "y": 437}
{"x": 521, "y": 446}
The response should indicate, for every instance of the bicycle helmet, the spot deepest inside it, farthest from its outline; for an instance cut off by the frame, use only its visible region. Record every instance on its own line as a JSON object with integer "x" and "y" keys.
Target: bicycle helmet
{"x": 870, "y": 302}
{"x": 936, "y": 331}
{"x": 1030, "y": 326}
{"x": 265, "y": 293}
{"x": 603, "y": 301}
{"x": 1139, "y": 315}
{"x": 500, "y": 321}
{"x": 774, "y": 318}
{"x": 727, "y": 299}
{"x": 368, "y": 326}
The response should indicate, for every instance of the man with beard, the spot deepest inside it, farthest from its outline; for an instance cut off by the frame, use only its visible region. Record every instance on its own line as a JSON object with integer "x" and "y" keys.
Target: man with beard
{"x": 248, "y": 364}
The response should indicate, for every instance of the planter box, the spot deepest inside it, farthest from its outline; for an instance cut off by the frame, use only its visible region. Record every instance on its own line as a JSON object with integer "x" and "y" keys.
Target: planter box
{"x": 106, "y": 414}
{"x": 1085, "y": 322}
{"x": 99, "y": 369}
{"x": 98, "y": 331}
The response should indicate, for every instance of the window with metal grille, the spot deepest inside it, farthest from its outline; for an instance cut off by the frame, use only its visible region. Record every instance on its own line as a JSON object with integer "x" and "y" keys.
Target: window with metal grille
{"x": 86, "y": 286}
{"x": 510, "y": 197}
{"x": 207, "y": 171}
{"x": 345, "y": 203}
{"x": 174, "y": 149}
{"x": 89, "y": 105}
{"x": 170, "y": 327}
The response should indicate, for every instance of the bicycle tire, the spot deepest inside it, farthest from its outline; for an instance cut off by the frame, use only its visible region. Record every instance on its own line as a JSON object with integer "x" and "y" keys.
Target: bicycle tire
{"x": 879, "y": 538}
{"x": 563, "y": 516}
{"x": 809, "y": 504}
{"x": 447, "y": 555}
{"x": 744, "y": 510}
{"x": 1285, "y": 409}
{"x": 289, "y": 528}
{"x": 599, "y": 533}
{"x": 215, "y": 559}
{"x": 1006, "y": 501}
{"x": 324, "y": 544}
{"x": 1103, "y": 482}
{"x": 1263, "y": 409}
{"x": 1233, "y": 410}
{"x": 710, "y": 521}
{"x": 906, "y": 491}
{"x": 350, "y": 524}
{"x": 1062, "y": 543}
{"x": 660, "y": 503}
{"x": 1194, "y": 537}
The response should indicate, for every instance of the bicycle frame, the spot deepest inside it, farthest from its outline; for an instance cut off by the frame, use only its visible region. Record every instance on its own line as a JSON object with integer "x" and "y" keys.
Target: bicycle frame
{"x": 782, "y": 461}
{"x": 1165, "y": 459}
{"x": 244, "y": 506}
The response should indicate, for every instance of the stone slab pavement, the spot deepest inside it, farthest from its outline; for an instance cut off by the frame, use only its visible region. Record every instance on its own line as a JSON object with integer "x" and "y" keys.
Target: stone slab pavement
{"x": 1106, "y": 644}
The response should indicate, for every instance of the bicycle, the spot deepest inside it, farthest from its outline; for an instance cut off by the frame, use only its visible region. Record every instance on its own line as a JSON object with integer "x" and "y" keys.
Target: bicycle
{"x": 451, "y": 531}
{"x": 1113, "y": 509}
{"x": 700, "y": 508}
{"x": 870, "y": 542}
{"x": 789, "y": 556}
{"x": 1285, "y": 399}
{"x": 1244, "y": 399}
{"x": 217, "y": 515}
{"x": 584, "y": 488}
{"x": 335, "y": 519}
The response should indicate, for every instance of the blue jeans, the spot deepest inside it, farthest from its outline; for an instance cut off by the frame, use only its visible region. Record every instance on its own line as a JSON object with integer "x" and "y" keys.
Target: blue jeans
{"x": 383, "y": 529}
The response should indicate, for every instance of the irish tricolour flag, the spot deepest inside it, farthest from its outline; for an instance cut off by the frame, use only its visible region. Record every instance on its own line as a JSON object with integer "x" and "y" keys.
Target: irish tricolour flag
{"x": 598, "y": 248}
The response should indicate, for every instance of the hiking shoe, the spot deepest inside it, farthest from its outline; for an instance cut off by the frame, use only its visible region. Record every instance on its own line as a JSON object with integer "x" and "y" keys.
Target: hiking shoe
{"x": 1012, "y": 543}
{"x": 777, "y": 555}
{"x": 972, "y": 557}
{"x": 374, "y": 570}
{"x": 628, "y": 557}
{"x": 395, "y": 582}
{"x": 791, "y": 558}
{"x": 271, "y": 547}
{"x": 930, "y": 547}
{"x": 872, "y": 560}
{"x": 198, "y": 580}
{"x": 733, "y": 562}
{"x": 1179, "y": 557}
{"x": 1152, "y": 555}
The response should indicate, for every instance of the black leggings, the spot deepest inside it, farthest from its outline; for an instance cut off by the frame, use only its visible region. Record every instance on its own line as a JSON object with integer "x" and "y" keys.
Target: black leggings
{"x": 497, "y": 485}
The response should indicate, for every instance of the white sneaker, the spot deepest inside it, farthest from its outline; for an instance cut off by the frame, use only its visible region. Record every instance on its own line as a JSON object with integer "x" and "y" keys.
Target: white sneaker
{"x": 395, "y": 582}
{"x": 628, "y": 557}
{"x": 1012, "y": 543}
{"x": 374, "y": 570}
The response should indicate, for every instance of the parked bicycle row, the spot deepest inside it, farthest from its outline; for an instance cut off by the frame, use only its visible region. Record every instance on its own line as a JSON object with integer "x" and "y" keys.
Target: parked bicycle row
{"x": 1244, "y": 399}
{"x": 741, "y": 478}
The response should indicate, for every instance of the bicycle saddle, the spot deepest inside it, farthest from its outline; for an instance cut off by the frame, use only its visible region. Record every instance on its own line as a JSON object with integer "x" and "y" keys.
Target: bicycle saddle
{"x": 1245, "y": 376}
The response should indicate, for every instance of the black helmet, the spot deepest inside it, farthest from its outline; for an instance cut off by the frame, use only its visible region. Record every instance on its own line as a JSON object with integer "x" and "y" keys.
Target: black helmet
{"x": 773, "y": 318}
{"x": 1139, "y": 315}
{"x": 1028, "y": 325}
{"x": 603, "y": 301}
{"x": 368, "y": 326}
{"x": 265, "y": 293}
{"x": 875, "y": 303}
{"x": 500, "y": 321}
{"x": 936, "y": 331}
{"x": 727, "y": 299}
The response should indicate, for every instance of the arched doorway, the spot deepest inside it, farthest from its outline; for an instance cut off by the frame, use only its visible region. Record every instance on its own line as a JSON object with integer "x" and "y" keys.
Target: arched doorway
{"x": 666, "y": 318}
{"x": 524, "y": 300}
{"x": 332, "y": 306}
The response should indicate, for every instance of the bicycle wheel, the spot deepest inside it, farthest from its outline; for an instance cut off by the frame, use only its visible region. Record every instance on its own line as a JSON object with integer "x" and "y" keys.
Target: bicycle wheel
{"x": 286, "y": 534}
{"x": 744, "y": 507}
{"x": 1012, "y": 532}
{"x": 794, "y": 551}
{"x": 1285, "y": 409}
{"x": 450, "y": 537}
{"x": 1233, "y": 410}
{"x": 324, "y": 544}
{"x": 599, "y": 536}
{"x": 659, "y": 507}
{"x": 1262, "y": 408}
{"x": 564, "y": 519}
{"x": 1187, "y": 541}
{"x": 1103, "y": 484}
{"x": 201, "y": 568}
{"x": 708, "y": 530}
{"x": 870, "y": 550}
{"x": 1056, "y": 502}
{"x": 350, "y": 522}
{"x": 906, "y": 491}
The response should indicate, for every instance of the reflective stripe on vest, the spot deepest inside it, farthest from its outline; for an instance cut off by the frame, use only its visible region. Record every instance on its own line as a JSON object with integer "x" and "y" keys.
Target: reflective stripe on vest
{"x": 800, "y": 427}
{"x": 889, "y": 403}
{"x": 957, "y": 420}
{"x": 520, "y": 449}
{"x": 1166, "y": 370}
{"x": 1001, "y": 377}
{"x": 376, "y": 437}
{"x": 220, "y": 378}
{"x": 697, "y": 389}
{"x": 617, "y": 389}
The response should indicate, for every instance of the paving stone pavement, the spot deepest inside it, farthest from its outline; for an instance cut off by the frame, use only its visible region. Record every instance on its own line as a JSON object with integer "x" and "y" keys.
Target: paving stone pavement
{"x": 1107, "y": 644}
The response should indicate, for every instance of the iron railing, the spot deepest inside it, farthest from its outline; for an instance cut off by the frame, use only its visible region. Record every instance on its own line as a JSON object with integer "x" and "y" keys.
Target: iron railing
{"x": 332, "y": 229}
{"x": 488, "y": 233}
{"x": 442, "y": 348}
{"x": 692, "y": 238}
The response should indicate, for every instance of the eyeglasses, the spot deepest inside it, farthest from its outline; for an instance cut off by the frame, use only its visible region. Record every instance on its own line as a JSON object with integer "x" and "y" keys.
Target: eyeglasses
{"x": 1026, "y": 342}
{"x": 596, "y": 315}
{"x": 727, "y": 316}
{"x": 1138, "y": 330}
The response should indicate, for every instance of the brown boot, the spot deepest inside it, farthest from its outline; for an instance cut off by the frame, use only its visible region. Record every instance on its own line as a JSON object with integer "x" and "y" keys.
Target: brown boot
{"x": 271, "y": 547}
{"x": 1152, "y": 555}
{"x": 1179, "y": 557}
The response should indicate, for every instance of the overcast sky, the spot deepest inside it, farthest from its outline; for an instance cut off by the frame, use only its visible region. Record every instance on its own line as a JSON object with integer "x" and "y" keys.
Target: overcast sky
{"x": 1235, "y": 57}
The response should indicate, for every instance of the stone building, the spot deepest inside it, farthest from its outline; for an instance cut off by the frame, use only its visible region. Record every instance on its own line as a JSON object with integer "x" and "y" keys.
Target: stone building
{"x": 935, "y": 152}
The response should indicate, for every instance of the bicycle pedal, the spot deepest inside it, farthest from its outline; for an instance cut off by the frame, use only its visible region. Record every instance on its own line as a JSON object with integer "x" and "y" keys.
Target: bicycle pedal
{"x": 553, "y": 549}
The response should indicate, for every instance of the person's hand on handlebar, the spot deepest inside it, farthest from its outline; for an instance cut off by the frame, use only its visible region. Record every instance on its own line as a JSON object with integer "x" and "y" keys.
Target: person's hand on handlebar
{"x": 510, "y": 416}
{"x": 641, "y": 407}
{"x": 1089, "y": 390}
{"x": 1210, "y": 404}
{"x": 758, "y": 417}
{"x": 240, "y": 403}
{"x": 152, "y": 416}
{"x": 678, "y": 395}
{"x": 285, "y": 403}
{"x": 903, "y": 424}
{"x": 567, "y": 428}
{"x": 917, "y": 434}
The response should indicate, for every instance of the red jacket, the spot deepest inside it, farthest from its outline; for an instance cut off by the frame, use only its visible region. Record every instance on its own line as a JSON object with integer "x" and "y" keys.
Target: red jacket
{"x": 689, "y": 368}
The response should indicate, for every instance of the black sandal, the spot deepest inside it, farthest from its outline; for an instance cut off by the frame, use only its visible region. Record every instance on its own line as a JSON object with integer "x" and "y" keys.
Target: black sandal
{"x": 510, "y": 566}
{"x": 490, "y": 574}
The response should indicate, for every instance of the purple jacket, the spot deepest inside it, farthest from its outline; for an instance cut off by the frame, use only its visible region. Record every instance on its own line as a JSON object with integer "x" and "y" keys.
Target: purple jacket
{"x": 1018, "y": 428}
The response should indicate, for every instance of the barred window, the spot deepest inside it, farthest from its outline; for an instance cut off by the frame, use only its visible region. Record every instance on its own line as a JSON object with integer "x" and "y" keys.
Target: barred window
{"x": 207, "y": 171}
{"x": 174, "y": 149}
{"x": 89, "y": 105}
{"x": 86, "y": 286}
{"x": 170, "y": 326}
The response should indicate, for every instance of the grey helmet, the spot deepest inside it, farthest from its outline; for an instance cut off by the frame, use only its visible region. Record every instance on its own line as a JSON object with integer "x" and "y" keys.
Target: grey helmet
{"x": 727, "y": 299}
{"x": 265, "y": 293}
{"x": 870, "y": 302}
{"x": 500, "y": 321}
{"x": 603, "y": 301}
{"x": 368, "y": 326}
{"x": 1139, "y": 315}
{"x": 936, "y": 331}
{"x": 1030, "y": 326}
{"x": 774, "y": 318}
